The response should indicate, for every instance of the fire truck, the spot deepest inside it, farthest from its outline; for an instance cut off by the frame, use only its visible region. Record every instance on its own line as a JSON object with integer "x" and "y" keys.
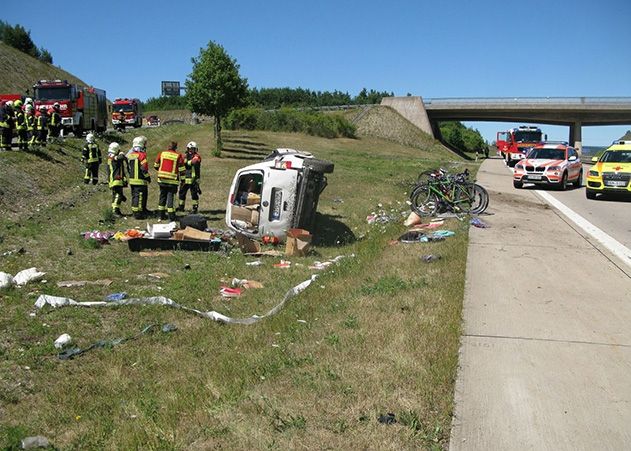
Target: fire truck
{"x": 514, "y": 143}
{"x": 81, "y": 107}
{"x": 131, "y": 110}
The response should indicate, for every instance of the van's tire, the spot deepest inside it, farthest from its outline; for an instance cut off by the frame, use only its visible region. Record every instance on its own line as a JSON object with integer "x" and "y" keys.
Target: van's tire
{"x": 323, "y": 166}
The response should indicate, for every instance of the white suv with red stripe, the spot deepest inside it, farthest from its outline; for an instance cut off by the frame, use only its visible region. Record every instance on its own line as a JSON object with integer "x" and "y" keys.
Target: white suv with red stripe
{"x": 551, "y": 164}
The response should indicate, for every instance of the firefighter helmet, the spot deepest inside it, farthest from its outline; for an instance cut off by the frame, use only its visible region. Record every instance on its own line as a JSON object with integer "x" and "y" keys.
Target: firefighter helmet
{"x": 9, "y": 103}
{"x": 113, "y": 149}
{"x": 17, "y": 104}
{"x": 56, "y": 105}
{"x": 139, "y": 141}
{"x": 42, "y": 107}
{"x": 89, "y": 138}
{"x": 192, "y": 145}
{"x": 28, "y": 100}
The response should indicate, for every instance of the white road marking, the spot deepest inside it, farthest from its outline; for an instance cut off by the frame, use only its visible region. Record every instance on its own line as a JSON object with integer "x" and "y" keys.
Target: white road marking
{"x": 610, "y": 243}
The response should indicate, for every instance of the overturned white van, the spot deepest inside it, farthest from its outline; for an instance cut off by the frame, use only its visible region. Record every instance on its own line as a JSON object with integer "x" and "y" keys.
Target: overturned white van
{"x": 277, "y": 194}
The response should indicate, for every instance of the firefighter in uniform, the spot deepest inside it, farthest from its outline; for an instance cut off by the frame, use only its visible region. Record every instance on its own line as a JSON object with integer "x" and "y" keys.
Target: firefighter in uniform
{"x": 139, "y": 177}
{"x": 117, "y": 176}
{"x": 54, "y": 125}
{"x": 91, "y": 157}
{"x": 170, "y": 166}
{"x": 193, "y": 163}
{"x": 6, "y": 124}
{"x": 30, "y": 119}
{"x": 21, "y": 125}
{"x": 41, "y": 126}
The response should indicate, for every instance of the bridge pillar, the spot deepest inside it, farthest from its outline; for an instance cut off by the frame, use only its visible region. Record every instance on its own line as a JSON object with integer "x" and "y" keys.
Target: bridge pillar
{"x": 576, "y": 137}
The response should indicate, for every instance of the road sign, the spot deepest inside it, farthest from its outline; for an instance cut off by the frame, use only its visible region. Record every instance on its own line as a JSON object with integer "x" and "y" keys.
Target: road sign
{"x": 170, "y": 88}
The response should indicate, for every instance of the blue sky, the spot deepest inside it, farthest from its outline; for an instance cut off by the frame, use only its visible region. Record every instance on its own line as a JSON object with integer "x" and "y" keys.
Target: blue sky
{"x": 484, "y": 48}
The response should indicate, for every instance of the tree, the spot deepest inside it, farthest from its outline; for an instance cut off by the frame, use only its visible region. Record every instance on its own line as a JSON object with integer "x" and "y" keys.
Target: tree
{"x": 215, "y": 87}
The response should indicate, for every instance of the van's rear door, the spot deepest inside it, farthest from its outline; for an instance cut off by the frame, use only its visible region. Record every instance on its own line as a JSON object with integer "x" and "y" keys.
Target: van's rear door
{"x": 278, "y": 201}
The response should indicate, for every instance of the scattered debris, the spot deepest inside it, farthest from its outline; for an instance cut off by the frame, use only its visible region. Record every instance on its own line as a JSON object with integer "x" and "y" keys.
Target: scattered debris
{"x": 36, "y": 441}
{"x": 430, "y": 258}
{"x": 283, "y": 264}
{"x": 161, "y": 230}
{"x": 82, "y": 283}
{"x": 20, "y": 279}
{"x": 116, "y": 296}
{"x": 228, "y": 292}
{"x": 157, "y": 275}
{"x": 298, "y": 243}
{"x": 69, "y": 252}
{"x": 247, "y": 284}
{"x": 388, "y": 418}
{"x": 187, "y": 266}
{"x": 62, "y": 341}
{"x": 56, "y": 302}
{"x": 254, "y": 263}
{"x": 100, "y": 237}
{"x": 19, "y": 251}
{"x": 412, "y": 219}
{"x": 76, "y": 351}
{"x": 477, "y": 222}
{"x": 323, "y": 265}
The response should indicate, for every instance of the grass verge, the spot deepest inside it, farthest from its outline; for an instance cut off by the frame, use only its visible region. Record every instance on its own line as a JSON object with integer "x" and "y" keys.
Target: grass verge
{"x": 377, "y": 333}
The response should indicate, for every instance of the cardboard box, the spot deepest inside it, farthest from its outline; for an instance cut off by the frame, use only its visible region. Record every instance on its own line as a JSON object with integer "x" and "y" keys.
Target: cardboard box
{"x": 248, "y": 213}
{"x": 253, "y": 199}
{"x": 298, "y": 243}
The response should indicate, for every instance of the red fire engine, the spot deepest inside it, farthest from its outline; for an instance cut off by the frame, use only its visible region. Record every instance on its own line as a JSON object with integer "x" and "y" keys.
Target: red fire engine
{"x": 131, "y": 110}
{"x": 81, "y": 108}
{"x": 513, "y": 143}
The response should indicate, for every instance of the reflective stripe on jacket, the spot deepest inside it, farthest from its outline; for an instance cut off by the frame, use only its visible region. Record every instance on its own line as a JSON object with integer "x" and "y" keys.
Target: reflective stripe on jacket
{"x": 193, "y": 170}
{"x": 117, "y": 170}
{"x": 91, "y": 153}
{"x": 170, "y": 166}
{"x": 138, "y": 168}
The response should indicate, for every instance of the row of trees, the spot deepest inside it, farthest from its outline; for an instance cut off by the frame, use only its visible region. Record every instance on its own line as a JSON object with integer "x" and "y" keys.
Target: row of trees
{"x": 20, "y": 38}
{"x": 215, "y": 88}
{"x": 461, "y": 137}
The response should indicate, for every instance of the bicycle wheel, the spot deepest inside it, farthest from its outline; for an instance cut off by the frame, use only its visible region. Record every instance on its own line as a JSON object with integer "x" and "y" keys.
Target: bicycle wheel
{"x": 481, "y": 197}
{"x": 464, "y": 198}
{"x": 424, "y": 201}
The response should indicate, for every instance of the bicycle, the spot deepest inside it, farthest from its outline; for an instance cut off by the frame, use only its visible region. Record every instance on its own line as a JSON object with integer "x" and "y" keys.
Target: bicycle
{"x": 438, "y": 189}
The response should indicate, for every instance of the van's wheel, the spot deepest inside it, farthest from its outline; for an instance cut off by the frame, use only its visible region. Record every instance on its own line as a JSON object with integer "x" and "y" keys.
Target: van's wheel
{"x": 517, "y": 184}
{"x": 323, "y": 166}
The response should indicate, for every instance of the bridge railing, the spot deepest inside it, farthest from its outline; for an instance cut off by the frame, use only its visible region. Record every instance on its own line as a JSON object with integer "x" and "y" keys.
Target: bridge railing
{"x": 528, "y": 100}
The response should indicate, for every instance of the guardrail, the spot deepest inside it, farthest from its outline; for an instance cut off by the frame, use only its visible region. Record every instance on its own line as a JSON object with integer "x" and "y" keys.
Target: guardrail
{"x": 529, "y": 100}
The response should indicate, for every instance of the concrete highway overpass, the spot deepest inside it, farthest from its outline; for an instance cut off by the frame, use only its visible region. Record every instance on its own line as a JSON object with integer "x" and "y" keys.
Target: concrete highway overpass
{"x": 575, "y": 112}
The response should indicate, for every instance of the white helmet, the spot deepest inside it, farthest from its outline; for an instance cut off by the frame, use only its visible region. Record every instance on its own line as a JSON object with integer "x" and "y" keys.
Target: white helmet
{"x": 28, "y": 100}
{"x": 9, "y": 103}
{"x": 191, "y": 145}
{"x": 139, "y": 141}
{"x": 89, "y": 138}
{"x": 113, "y": 149}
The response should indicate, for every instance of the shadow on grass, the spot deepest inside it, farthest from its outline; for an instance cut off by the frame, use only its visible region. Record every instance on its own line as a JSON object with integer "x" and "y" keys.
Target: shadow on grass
{"x": 246, "y": 142}
{"x": 39, "y": 153}
{"x": 261, "y": 153}
{"x": 331, "y": 232}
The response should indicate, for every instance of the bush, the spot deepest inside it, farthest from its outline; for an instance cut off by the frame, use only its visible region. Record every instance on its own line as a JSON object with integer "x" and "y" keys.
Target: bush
{"x": 290, "y": 120}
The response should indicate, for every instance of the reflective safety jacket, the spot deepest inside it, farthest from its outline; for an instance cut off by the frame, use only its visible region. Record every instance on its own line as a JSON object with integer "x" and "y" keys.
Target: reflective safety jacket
{"x": 42, "y": 122}
{"x": 29, "y": 119}
{"x": 193, "y": 164}
{"x": 55, "y": 119}
{"x": 20, "y": 120}
{"x": 170, "y": 165}
{"x": 5, "y": 117}
{"x": 117, "y": 170}
{"x": 138, "y": 168}
{"x": 91, "y": 153}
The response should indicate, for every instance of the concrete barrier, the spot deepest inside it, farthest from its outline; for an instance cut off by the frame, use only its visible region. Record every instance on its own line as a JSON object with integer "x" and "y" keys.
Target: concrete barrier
{"x": 411, "y": 108}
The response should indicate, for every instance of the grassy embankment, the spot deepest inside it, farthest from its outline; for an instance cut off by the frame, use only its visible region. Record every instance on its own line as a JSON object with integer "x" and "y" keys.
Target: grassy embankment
{"x": 378, "y": 333}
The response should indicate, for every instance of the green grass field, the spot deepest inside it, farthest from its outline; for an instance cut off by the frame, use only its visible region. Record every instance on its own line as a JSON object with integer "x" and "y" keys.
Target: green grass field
{"x": 377, "y": 333}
